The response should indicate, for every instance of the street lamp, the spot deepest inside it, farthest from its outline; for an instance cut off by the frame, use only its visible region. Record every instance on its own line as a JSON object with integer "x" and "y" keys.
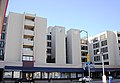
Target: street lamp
{"x": 103, "y": 77}
{"x": 88, "y": 59}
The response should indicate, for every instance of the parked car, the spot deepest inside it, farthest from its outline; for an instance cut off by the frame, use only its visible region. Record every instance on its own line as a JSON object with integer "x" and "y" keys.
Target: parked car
{"x": 85, "y": 78}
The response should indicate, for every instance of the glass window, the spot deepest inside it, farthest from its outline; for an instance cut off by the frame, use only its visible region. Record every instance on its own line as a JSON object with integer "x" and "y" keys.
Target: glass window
{"x": 84, "y": 41}
{"x": 1, "y": 54}
{"x": 1, "y": 44}
{"x": 118, "y": 41}
{"x": 96, "y": 45}
{"x": 96, "y": 51}
{"x": 44, "y": 75}
{"x": 118, "y": 35}
{"x": 105, "y": 49}
{"x": 49, "y": 44}
{"x": 84, "y": 53}
{"x": 8, "y": 74}
{"x": 3, "y": 36}
{"x": 95, "y": 39}
{"x": 73, "y": 75}
{"x": 37, "y": 75}
{"x": 4, "y": 28}
{"x": 103, "y": 43}
{"x": 102, "y": 37}
{"x": 84, "y": 59}
{"x": 84, "y": 47}
{"x": 48, "y": 37}
{"x": 96, "y": 58}
{"x": 16, "y": 74}
{"x": 105, "y": 56}
{"x": 27, "y": 58}
{"x": 49, "y": 50}
{"x": 106, "y": 63}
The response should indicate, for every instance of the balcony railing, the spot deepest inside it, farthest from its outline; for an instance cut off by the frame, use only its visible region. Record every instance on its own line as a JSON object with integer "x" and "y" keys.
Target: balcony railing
{"x": 29, "y": 32}
{"x": 28, "y": 42}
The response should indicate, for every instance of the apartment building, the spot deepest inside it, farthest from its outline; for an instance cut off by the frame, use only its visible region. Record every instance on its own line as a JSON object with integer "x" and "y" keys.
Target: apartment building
{"x": 105, "y": 44}
{"x": 34, "y": 51}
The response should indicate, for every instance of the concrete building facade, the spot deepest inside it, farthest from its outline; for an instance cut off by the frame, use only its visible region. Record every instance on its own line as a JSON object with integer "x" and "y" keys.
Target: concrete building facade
{"x": 106, "y": 44}
{"x": 33, "y": 51}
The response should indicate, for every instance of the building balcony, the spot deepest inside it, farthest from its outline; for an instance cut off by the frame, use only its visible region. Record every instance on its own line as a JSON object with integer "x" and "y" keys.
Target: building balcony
{"x": 27, "y": 42}
{"x": 29, "y": 32}
{"x": 29, "y": 23}
{"x": 27, "y": 52}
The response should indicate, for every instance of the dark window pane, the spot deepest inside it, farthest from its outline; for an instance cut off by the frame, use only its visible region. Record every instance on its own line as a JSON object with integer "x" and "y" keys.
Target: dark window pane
{"x": 84, "y": 47}
{"x": 118, "y": 41}
{"x": 96, "y": 45}
{"x": 49, "y": 44}
{"x": 48, "y": 37}
{"x": 96, "y": 51}
{"x": 103, "y": 43}
{"x": 104, "y": 49}
{"x": 49, "y": 51}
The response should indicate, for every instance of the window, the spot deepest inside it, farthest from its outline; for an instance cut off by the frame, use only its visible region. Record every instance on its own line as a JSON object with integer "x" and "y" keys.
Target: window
{"x": 48, "y": 37}
{"x": 105, "y": 56}
{"x": 102, "y": 37}
{"x": 84, "y": 47}
{"x": 37, "y": 75}
{"x": 96, "y": 51}
{"x": 95, "y": 39}
{"x": 1, "y": 51}
{"x": 1, "y": 44}
{"x": 49, "y": 50}
{"x": 8, "y": 74}
{"x": 3, "y": 36}
{"x": 118, "y": 35}
{"x": 16, "y": 74}
{"x": 28, "y": 48}
{"x": 49, "y": 44}
{"x": 104, "y": 49}
{"x": 97, "y": 58}
{"x": 84, "y": 41}
{"x": 118, "y": 41}
{"x": 4, "y": 28}
{"x": 96, "y": 45}
{"x": 84, "y": 59}
{"x": 119, "y": 48}
{"x": 106, "y": 63}
{"x": 84, "y": 53}
{"x": 103, "y": 43}
{"x": 1, "y": 54}
{"x": 27, "y": 58}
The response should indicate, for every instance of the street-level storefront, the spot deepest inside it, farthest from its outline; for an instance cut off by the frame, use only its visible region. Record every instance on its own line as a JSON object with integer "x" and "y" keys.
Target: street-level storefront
{"x": 46, "y": 73}
{"x": 39, "y": 73}
{"x": 97, "y": 73}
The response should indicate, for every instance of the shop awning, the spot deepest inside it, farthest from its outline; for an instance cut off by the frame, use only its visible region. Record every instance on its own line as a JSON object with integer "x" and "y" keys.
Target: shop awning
{"x": 43, "y": 69}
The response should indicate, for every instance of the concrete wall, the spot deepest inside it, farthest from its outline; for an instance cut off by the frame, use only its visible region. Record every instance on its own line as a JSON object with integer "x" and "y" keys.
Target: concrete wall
{"x": 40, "y": 40}
{"x": 14, "y": 37}
{"x": 58, "y": 44}
{"x": 111, "y": 47}
{"x": 73, "y": 46}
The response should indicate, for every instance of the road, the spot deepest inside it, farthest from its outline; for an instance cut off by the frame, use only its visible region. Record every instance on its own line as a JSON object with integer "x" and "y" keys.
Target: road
{"x": 100, "y": 81}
